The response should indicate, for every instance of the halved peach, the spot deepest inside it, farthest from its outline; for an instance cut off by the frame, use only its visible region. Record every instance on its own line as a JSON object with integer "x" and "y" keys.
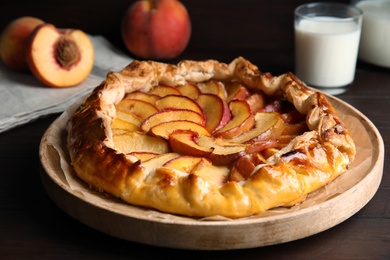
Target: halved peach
{"x": 216, "y": 111}
{"x": 178, "y": 102}
{"x": 59, "y": 57}
{"x": 242, "y": 120}
{"x": 164, "y": 90}
{"x": 165, "y": 129}
{"x": 189, "y": 90}
{"x": 172, "y": 115}
{"x": 185, "y": 142}
{"x": 212, "y": 87}
{"x": 139, "y": 142}
{"x": 140, "y": 108}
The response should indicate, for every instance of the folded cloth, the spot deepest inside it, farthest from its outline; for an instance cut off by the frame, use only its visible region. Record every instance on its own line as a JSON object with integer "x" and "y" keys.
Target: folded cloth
{"x": 23, "y": 98}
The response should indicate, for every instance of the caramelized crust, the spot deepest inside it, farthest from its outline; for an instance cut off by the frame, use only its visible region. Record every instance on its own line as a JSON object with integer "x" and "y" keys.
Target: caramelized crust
{"x": 307, "y": 163}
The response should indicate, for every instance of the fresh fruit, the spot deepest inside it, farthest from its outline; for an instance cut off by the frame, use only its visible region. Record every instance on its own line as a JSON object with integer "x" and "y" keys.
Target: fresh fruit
{"x": 141, "y": 109}
{"x": 13, "y": 41}
{"x": 171, "y": 115}
{"x": 156, "y": 29}
{"x": 216, "y": 111}
{"x": 59, "y": 57}
{"x": 242, "y": 120}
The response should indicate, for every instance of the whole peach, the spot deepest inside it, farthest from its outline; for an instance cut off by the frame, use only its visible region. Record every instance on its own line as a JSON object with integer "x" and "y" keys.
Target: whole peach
{"x": 59, "y": 58}
{"x": 156, "y": 29}
{"x": 13, "y": 41}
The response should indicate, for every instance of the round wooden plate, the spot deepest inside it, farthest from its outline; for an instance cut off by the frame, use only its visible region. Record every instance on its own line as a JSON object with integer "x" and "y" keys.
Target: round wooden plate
{"x": 344, "y": 197}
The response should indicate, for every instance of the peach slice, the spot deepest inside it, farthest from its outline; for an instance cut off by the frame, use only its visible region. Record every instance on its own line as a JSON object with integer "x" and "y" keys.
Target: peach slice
{"x": 144, "y": 156}
{"x": 59, "y": 58}
{"x": 211, "y": 173}
{"x": 242, "y": 169}
{"x": 165, "y": 129}
{"x": 119, "y": 131}
{"x": 223, "y": 152}
{"x": 178, "y": 102}
{"x": 241, "y": 122}
{"x": 122, "y": 124}
{"x": 189, "y": 90}
{"x": 185, "y": 142}
{"x": 151, "y": 98}
{"x": 158, "y": 161}
{"x": 236, "y": 90}
{"x": 256, "y": 102}
{"x": 172, "y": 115}
{"x": 139, "y": 142}
{"x": 140, "y": 108}
{"x": 129, "y": 117}
{"x": 184, "y": 163}
{"x": 216, "y": 111}
{"x": 164, "y": 90}
{"x": 267, "y": 126}
{"x": 213, "y": 87}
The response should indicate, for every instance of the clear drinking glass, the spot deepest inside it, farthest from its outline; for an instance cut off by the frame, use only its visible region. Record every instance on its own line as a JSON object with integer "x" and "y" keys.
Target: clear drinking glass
{"x": 326, "y": 45}
{"x": 374, "y": 45}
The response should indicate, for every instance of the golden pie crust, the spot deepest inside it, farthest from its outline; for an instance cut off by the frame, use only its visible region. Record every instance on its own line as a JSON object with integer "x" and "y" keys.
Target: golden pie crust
{"x": 305, "y": 164}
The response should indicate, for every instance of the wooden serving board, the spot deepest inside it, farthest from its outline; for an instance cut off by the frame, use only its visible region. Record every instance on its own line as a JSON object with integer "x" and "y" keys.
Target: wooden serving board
{"x": 344, "y": 197}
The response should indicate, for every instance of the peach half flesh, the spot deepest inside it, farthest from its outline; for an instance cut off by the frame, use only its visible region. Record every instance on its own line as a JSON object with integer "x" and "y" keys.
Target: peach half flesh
{"x": 59, "y": 57}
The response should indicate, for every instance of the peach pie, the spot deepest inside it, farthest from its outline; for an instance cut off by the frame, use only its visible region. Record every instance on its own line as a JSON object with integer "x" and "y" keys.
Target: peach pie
{"x": 205, "y": 138}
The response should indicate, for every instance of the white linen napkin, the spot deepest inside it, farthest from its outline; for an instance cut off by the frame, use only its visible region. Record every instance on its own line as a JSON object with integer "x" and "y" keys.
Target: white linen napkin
{"x": 23, "y": 98}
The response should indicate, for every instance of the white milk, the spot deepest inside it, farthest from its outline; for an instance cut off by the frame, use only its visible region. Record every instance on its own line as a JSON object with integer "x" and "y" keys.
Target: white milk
{"x": 375, "y": 39}
{"x": 326, "y": 51}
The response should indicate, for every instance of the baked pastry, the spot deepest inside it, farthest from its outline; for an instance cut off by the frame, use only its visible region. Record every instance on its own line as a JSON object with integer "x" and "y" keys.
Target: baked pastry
{"x": 205, "y": 138}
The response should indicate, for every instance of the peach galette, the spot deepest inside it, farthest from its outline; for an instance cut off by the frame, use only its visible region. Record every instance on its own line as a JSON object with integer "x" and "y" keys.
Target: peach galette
{"x": 205, "y": 138}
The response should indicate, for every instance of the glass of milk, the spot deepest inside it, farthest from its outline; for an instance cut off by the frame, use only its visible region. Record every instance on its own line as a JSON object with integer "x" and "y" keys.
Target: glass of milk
{"x": 326, "y": 45}
{"x": 375, "y": 39}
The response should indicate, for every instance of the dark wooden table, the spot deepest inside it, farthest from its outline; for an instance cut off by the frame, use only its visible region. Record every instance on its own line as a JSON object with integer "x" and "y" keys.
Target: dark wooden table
{"x": 31, "y": 225}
